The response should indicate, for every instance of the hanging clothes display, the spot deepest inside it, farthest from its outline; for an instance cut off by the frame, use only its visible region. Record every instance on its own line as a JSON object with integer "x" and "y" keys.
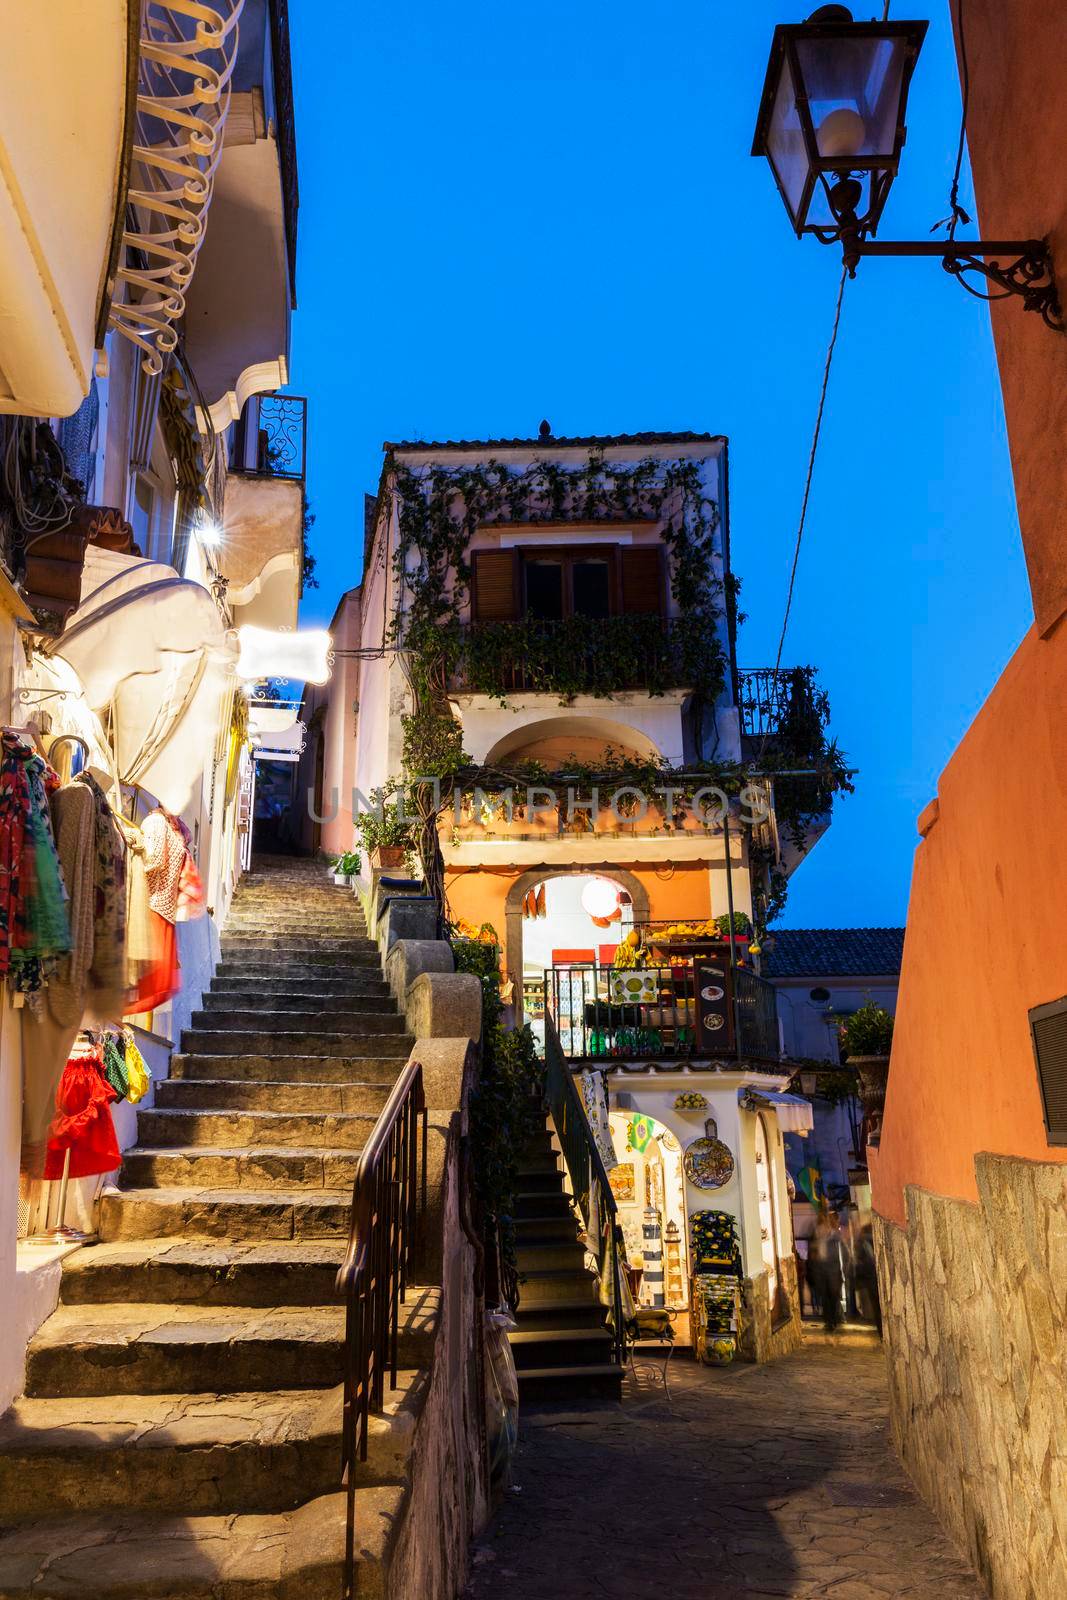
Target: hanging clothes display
{"x": 83, "y": 1123}
{"x": 166, "y": 846}
{"x": 90, "y": 979}
{"x": 92, "y": 851}
{"x": 34, "y": 922}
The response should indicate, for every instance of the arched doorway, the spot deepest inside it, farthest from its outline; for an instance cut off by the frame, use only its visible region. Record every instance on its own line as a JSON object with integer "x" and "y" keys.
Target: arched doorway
{"x": 649, "y": 1188}
{"x": 564, "y": 928}
{"x": 767, "y": 1199}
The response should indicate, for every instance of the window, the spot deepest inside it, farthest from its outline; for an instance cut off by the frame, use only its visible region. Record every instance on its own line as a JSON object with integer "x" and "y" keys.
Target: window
{"x": 550, "y": 584}
{"x": 153, "y": 503}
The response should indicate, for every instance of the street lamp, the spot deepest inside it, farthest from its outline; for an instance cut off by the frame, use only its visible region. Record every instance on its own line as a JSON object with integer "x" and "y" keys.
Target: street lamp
{"x": 809, "y": 1082}
{"x": 832, "y": 125}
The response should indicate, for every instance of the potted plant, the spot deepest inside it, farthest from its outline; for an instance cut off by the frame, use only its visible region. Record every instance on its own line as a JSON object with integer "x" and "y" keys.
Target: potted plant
{"x": 346, "y": 868}
{"x": 866, "y": 1037}
{"x": 387, "y": 837}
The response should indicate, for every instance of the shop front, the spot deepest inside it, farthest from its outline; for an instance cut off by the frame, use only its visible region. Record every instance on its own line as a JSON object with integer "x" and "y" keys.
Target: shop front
{"x": 702, "y": 1192}
{"x": 124, "y": 753}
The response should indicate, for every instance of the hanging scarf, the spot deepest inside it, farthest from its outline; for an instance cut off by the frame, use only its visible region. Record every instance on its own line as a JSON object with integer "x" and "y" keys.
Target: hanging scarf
{"x": 34, "y": 926}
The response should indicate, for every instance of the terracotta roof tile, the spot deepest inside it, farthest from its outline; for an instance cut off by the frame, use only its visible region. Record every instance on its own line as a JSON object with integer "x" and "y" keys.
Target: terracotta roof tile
{"x": 551, "y": 442}
{"x": 834, "y": 952}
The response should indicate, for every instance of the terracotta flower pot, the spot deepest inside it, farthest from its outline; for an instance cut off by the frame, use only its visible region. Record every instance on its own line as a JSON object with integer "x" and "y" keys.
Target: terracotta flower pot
{"x": 874, "y": 1076}
{"x": 387, "y": 857}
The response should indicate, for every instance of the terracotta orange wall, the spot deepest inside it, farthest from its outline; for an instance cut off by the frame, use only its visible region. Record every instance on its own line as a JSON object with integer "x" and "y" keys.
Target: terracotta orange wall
{"x": 481, "y": 896}
{"x": 986, "y": 940}
{"x": 1017, "y": 137}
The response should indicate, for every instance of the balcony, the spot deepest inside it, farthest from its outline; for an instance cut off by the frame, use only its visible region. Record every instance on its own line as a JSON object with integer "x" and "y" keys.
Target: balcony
{"x": 237, "y": 323}
{"x": 696, "y": 1009}
{"x": 599, "y": 656}
{"x": 262, "y": 549}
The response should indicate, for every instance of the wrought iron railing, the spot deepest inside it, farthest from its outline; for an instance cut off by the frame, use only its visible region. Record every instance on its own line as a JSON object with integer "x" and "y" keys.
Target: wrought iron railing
{"x": 764, "y": 694}
{"x": 282, "y": 432}
{"x": 590, "y": 655}
{"x": 589, "y": 1182}
{"x": 388, "y": 1199}
{"x": 698, "y": 1006}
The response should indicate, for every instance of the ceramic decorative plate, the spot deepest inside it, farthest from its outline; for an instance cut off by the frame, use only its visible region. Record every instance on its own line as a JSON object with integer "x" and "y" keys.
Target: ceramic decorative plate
{"x": 708, "y": 1164}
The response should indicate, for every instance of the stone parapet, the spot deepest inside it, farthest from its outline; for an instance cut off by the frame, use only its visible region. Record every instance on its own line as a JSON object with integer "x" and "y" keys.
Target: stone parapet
{"x": 974, "y": 1301}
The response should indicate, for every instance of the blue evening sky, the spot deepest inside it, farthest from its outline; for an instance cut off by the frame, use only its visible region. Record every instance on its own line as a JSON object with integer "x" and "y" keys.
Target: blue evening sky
{"x": 516, "y": 211}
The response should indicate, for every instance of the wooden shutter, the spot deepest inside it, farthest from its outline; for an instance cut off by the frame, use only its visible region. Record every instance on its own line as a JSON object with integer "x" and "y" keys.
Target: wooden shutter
{"x": 1048, "y": 1030}
{"x": 642, "y": 578}
{"x": 495, "y": 586}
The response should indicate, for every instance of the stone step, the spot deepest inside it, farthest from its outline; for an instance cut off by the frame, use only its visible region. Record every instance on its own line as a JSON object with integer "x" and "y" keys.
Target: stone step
{"x": 267, "y": 1017}
{"x": 549, "y": 1256}
{"x": 190, "y": 1454}
{"x": 165, "y": 1349}
{"x": 239, "y": 1130}
{"x": 548, "y": 1182}
{"x": 540, "y": 1348}
{"x": 108, "y": 1349}
{"x": 227, "y": 1214}
{"x": 552, "y": 1316}
{"x": 308, "y": 973}
{"x": 260, "y": 1170}
{"x": 278, "y": 945}
{"x": 271, "y": 926}
{"x": 282, "y": 1042}
{"x": 220, "y": 1094}
{"x": 334, "y": 994}
{"x": 297, "y": 1555}
{"x": 545, "y": 1289}
{"x": 529, "y": 1206}
{"x": 381, "y": 1067}
{"x": 602, "y": 1381}
{"x": 536, "y": 1223}
{"x": 208, "y": 1273}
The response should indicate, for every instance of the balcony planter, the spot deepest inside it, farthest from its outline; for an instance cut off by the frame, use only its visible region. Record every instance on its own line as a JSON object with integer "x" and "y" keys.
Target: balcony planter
{"x": 874, "y": 1076}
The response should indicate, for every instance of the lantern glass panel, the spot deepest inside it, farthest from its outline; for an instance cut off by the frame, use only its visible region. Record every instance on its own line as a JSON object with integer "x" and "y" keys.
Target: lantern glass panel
{"x": 854, "y": 89}
{"x": 785, "y": 143}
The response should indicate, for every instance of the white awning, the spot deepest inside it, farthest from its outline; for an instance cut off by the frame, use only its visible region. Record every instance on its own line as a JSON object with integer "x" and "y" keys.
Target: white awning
{"x": 153, "y": 648}
{"x": 795, "y": 1114}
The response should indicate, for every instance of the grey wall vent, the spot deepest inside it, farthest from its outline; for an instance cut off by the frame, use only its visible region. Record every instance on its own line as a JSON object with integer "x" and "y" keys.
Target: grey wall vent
{"x": 1048, "y": 1030}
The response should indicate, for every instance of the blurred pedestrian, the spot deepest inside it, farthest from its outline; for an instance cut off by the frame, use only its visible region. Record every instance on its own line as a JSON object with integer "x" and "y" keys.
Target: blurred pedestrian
{"x": 867, "y": 1277}
{"x": 827, "y": 1257}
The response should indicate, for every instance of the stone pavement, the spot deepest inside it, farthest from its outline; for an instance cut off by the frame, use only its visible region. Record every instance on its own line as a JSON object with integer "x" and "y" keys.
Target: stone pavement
{"x": 777, "y": 1480}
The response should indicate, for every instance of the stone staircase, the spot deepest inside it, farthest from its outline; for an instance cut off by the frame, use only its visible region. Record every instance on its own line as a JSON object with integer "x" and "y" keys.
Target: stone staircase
{"x": 180, "y": 1433}
{"x": 562, "y": 1346}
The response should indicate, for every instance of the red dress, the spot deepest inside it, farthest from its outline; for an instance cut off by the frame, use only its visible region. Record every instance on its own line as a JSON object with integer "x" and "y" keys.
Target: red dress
{"x": 82, "y": 1123}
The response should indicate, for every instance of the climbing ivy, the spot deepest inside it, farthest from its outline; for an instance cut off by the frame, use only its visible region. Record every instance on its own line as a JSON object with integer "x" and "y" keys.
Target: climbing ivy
{"x": 501, "y": 1102}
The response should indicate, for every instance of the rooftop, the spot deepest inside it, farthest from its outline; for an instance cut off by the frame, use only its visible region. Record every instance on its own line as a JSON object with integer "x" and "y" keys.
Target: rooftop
{"x": 549, "y": 440}
{"x": 834, "y": 953}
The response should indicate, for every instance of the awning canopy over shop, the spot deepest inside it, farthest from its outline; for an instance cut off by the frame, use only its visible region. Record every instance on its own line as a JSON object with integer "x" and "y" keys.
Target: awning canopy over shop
{"x": 156, "y": 664}
{"x": 794, "y": 1112}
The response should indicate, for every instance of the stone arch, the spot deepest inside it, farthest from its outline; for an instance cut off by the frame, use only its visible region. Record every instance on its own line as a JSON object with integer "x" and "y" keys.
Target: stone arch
{"x": 529, "y": 880}
{"x": 579, "y": 727}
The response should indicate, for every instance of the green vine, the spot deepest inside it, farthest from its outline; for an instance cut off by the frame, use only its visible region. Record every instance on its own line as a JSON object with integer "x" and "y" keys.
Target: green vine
{"x": 500, "y": 1104}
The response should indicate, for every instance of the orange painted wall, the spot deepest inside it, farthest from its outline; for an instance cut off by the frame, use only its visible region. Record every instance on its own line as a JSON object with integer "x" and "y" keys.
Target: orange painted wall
{"x": 988, "y": 914}
{"x": 1017, "y": 137}
{"x": 986, "y": 940}
{"x": 481, "y": 896}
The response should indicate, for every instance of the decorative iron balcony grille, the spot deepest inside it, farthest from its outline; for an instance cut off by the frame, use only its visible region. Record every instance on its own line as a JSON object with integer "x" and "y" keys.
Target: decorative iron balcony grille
{"x": 280, "y": 425}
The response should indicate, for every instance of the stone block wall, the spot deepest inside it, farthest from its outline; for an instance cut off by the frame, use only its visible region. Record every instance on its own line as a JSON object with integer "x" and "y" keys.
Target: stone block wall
{"x": 448, "y": 1501}
{"x": 757, "y": 1340}
{"x": 974, "y": 1300}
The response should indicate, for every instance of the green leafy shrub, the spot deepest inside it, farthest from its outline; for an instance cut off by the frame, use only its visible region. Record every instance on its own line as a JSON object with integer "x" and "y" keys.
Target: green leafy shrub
{"x": 867, "y": 1032}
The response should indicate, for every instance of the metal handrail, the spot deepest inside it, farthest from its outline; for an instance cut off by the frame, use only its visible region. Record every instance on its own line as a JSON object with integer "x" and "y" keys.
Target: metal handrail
{"x": 388, "y": 1197}
{"x": 586, "y": 1171}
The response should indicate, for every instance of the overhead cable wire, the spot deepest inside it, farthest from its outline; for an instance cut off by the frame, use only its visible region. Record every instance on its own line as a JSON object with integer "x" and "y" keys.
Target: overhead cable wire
{"x": 807, "y": 484}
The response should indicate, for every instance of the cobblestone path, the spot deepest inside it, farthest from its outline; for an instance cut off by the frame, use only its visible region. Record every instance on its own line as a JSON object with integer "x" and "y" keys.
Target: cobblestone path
{"x": 752, "y": 1481}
